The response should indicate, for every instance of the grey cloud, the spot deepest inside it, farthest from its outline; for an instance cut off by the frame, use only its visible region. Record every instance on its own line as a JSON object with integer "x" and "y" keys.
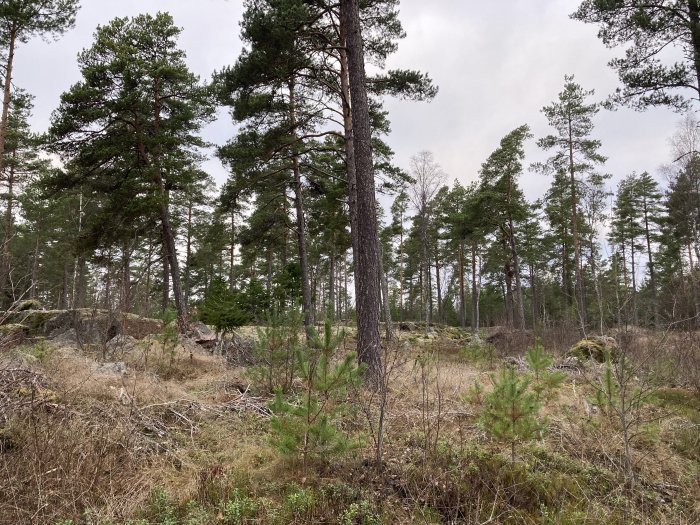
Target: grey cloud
{"x": 497, "y": 63}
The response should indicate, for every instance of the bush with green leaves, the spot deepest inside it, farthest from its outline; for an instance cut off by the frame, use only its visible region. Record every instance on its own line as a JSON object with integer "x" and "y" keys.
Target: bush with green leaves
{"x": 300, "y": 503}
{"x": 511, "y": 409}
{"x": 360, "y": 513}
{"x": 539, "y": 361}
{"x": 159, "y": 509}
{"x": 306, "y": 425}
{"x": 475, "y": 394}
{"x": 239, "y": 509}
{"x": 41, "y": 350}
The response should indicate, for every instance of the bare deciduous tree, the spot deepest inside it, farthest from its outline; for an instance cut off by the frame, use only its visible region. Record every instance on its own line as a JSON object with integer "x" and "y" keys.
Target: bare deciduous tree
{"x": 428, "y": 177}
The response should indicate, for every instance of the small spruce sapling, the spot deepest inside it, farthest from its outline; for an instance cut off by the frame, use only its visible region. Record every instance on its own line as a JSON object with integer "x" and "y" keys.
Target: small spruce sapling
{"x": 221, "y": 308}
{"x": 539, "y": 361}
{"x": 307, "y": 425}
{"x": 511, "y": 409}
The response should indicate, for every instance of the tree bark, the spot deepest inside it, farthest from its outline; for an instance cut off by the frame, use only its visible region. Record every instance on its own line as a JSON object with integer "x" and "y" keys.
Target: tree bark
{"x": 475, "y": 294}
{"x": 300, "y": 220}
{"x": 4, "y": 264}
{"x": 635, "y": 314}
{"x": 439, "y": 288}
{"x": 125, "y": 299}
{"x": 385, "y": 300}
{"x": 331, "y": 282}
{"x": 650, "y": 265}
{"x": 578, "y": 275}
{"x": 35, "y": 271}
{"x": 188, "y": 253}
{"x": 367, "y": 262}
{"x": 533, "y": 293}
{"x": 63, "y": 299}
{"x": 5, "y": 257}
{"x": 462, "y": 305}
{"x": 508, "y": 273}
{"x": 232, "y": 251}
{"x": 516, "y": 268}
{"x": 165, "y": 300}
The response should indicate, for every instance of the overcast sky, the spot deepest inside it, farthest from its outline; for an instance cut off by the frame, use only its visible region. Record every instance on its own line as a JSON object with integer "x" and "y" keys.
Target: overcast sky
{"x": 496, "y": 64}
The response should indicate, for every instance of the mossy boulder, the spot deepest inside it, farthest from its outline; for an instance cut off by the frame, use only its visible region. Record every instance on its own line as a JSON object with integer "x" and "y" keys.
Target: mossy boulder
{"x": 12, "y": 329}
{"x": 12, "y": 334}
{"x": 596, "y": 348}
{"x": 26, "y": 305}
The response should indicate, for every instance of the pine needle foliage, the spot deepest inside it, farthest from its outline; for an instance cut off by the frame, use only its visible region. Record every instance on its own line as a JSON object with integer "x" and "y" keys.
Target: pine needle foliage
{"x": 275, "y": 351}
{"x": 306, "y": 426}
{"x": 221, "y": 308}
{"x": 539, "y": 361}
{"x": 510, "y": 410}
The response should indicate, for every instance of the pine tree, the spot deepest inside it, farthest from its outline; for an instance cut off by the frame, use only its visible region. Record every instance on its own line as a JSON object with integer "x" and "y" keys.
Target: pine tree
{"x": 626, "y": 232}
{"x": 575, "y": 154}
{"x": 510, "y": 410}
{"x": 307, "y": 427}
{"x": 503, "y": 204}
{"x": 128, "y": 129}
{"x": 647, "y": 30}
{"x": 20, "y": 20}
{"x": 539, "y": 361}
{"x": 649, "y": 197}
{"x": 22, "y": 165}
{"x": 222, "y": 308}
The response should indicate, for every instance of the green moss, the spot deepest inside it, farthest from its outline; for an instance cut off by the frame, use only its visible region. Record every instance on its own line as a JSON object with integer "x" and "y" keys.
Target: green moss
{"x": 13, "y": 329}
{"x": 41, "y": 350}
{"x": 681, "y": 401}
{"x": 27, "y": 304}
{"x": 595, "y": 348}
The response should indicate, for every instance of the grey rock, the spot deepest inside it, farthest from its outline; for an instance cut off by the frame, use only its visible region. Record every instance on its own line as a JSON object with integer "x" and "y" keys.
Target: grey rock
{"x": 121, "y": 343}
{"x": 201, "y": 332}
{"x": 62, "y": 336}
{"x": 117, "y": 368}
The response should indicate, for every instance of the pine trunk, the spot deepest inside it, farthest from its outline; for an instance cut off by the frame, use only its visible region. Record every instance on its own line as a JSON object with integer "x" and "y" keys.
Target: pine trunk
{"x": 367, "y": 262}
{"x": 635, "y": 314}
{"x": 578, "y": 274}
{"x": 516, "y": 269}
{"x": 300, "y": 220}
{"x": 188, "y": 254}
{"x": 439, "y": 289}
{"x": 165, "y": 298}
{"x": 475, "y": 294}
{"x": 650, "y": 265}
{"x": 462, "y": 305}
{"x": 5, "y": 263}
{"x": 35, "y": 271}
{"x": 5, "y": 257}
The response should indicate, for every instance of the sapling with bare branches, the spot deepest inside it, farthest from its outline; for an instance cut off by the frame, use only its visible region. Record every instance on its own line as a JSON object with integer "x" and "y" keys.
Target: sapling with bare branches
{"x": 621, "y": 392}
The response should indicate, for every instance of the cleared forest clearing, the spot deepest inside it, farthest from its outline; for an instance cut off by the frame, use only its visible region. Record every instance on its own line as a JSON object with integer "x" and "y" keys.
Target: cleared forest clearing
{"x": 158, "y": 430}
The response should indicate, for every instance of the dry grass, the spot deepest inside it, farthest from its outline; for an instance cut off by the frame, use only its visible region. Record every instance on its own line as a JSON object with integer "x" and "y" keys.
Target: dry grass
{"x": 79, "y": 436}
{"x": 82, "y": 436}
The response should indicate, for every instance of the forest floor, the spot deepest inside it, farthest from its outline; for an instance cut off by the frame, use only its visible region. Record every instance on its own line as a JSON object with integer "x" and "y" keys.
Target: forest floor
{"x": 161, "y": 432}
